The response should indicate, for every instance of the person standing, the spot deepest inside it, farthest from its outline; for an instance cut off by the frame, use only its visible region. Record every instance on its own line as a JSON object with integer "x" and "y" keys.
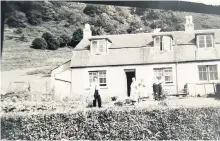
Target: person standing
{"x": 158, "y": 87}
{"x": 134, "y": 91}
{"x": 95, "y": 91}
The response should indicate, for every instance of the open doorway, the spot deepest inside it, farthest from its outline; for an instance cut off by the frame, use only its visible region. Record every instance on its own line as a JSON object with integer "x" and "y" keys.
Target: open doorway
{"x": 129, "y": 75}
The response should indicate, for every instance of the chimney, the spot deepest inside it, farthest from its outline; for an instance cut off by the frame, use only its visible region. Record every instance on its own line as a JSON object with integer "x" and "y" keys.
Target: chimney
{"x": 87, "y": 32}
{"x": 189, "y": 26}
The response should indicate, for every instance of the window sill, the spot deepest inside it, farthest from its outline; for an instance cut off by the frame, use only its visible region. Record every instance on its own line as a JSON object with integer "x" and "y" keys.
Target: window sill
{"x": 169, "y": 84}
{"x": 102, "y": 87}
{"x": 208, "y": 82}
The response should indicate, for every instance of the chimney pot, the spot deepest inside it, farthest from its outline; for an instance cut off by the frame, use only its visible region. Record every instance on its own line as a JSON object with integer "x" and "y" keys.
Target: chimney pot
{"x": 189, "y": 26}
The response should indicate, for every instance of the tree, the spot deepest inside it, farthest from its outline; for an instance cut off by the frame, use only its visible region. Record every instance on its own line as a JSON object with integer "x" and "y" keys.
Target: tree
{"x": 77, "y": 37}
{"x": 39, "y": 43}
{"x": 64, "y": 40}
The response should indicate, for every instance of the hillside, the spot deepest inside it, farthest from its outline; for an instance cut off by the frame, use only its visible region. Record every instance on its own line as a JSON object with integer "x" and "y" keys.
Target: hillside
{"x": 28, "y": 20}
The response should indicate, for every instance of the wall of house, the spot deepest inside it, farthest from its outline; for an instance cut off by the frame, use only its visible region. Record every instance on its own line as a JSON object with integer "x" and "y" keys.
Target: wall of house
{"x": 116, "y": 79}
{"x": 188, "y": 73}
{"x": 62, "y": 85}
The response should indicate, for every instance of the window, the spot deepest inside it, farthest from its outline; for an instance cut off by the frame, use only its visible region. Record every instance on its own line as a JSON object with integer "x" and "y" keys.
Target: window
{"x": 98, "y": 47}
{"x": 166, "y": 72}
{"x": 164, "y": 43}
{"x": 101, "y": 75}
{"x": 208, "y": 72}
{"x": 205, "y": 41}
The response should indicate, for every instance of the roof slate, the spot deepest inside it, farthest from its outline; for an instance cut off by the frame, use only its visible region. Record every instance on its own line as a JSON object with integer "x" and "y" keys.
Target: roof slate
{"x": 128, "y": 49}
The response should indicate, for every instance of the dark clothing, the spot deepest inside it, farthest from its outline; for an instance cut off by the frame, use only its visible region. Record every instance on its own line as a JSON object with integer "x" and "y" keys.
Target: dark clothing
{"x": 97, "y": 98}
{"x": 157, "y": 89}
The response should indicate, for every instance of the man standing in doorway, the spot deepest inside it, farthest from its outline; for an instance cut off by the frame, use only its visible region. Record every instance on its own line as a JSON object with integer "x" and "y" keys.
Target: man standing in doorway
{"x": 95, "y": 90}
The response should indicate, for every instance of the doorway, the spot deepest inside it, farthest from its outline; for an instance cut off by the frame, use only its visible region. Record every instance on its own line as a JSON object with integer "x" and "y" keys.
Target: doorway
{"x": 129, "y": 75}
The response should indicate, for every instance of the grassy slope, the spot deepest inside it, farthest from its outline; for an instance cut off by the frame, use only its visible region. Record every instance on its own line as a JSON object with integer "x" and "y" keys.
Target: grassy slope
{"x": 19, "y": 55}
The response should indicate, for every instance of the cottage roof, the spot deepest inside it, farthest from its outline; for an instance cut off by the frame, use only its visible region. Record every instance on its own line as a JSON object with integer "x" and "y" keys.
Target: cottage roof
{"x": 128, "y": 49}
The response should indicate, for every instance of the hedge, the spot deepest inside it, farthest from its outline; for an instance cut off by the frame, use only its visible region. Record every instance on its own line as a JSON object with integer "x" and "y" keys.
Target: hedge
{"x": 115, "y": 124}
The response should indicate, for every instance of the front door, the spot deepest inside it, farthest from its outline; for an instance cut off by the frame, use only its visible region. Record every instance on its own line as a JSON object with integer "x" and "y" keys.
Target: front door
{"x": 129, "y": 75}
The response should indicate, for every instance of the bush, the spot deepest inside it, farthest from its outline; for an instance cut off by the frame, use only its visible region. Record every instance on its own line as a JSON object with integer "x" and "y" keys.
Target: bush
{"x": 64, "y": 40}
{"x": 23, "y": 38}
{"x": 18, "y": 31}
{"x": 39, "y": 43}
{"x": 34, "y": 17}
{"x": 16, "y": 19}
{"x": 53, "y": 43}
{"x": 115, "y": 124}
{"x": 47, "y": 36}
{"x": 92, "y": 9}
{"x": 114, "y": 98}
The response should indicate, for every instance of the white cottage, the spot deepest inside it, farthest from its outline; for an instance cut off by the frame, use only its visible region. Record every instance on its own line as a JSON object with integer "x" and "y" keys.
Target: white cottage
{"x": 186, "y": 58}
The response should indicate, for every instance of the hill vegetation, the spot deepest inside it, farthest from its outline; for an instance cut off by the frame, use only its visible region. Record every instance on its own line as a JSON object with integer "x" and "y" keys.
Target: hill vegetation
{"x": 104, "y": 19}
{"x": 27, "y": 20}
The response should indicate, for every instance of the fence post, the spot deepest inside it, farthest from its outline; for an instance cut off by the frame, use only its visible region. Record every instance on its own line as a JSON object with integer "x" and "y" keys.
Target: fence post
{"x": 214, "y": 88}
{"x": 205, "y": 89}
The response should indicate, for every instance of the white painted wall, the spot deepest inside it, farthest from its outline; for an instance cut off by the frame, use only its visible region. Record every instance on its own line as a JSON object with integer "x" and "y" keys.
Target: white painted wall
{"x": 62, "y": 84}
{"x": 188, "y": 73}
{"x": 116, "y": 79}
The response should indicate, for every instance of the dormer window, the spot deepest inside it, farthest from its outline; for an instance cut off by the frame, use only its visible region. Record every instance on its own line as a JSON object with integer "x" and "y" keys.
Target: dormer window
{"x": 98, "y": 47}
{"x": 163, "y": 43}
{"x": 205, "y": 41}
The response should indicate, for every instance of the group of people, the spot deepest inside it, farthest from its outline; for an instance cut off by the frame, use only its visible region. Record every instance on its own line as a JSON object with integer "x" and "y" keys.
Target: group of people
{"x": 137, "y": 90}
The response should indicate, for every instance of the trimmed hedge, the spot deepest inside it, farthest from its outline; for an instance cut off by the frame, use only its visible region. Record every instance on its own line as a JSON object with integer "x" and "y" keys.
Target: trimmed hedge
{"x": 114, "y": 124}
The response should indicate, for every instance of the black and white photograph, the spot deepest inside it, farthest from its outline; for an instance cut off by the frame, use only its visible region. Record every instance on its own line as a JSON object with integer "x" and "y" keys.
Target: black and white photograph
{"x": 110, "y": 70}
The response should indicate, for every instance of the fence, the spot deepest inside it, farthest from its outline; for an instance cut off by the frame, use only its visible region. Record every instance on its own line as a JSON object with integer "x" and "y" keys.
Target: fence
{"x": 35, "y": 91}
{"x": 195, "y": 89}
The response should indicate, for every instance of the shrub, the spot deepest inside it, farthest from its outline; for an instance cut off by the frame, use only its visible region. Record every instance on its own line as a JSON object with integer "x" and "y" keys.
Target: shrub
{"x": 53, "y": 43}
{"x": 64, "y": 40}
{"x": 23, "y": 38}
{"x": 92, "y": 9}
{"x": 39, "y": 43}
{"x": 18, "y": 31}
{"x": 115, "y": 124}
{"x": 34, "y": 17}
{"x": 47, "y": 36}
{"x": 114, "y": 98}
{"x": 16, "y": 19}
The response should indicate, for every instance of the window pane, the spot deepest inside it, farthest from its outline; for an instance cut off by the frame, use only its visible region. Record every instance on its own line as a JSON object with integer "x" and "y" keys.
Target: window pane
{"x": 208, "y": 41}
{"x": 102, "y": 46}
{"x": 202, "y": 68}
{"x": 92, "y": 75}
{"x": 201, "y": 41}
{"x": 157, "y": 41}
{"x": 213, "y": 72}
{"x": 213, "y": 68}
{"x": 94, "y": 46}
{"x": 102, "y": 78}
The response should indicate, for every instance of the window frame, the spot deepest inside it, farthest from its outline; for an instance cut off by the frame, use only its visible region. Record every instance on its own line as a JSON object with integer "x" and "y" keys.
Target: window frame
{"x": 98, "y": 52}
{"x": 163, "y": 72}
{"x": 98, "y": 76}
{"x": 161, "y": 42}
{"x": 205, "y": 40}
{"x": 208, "y": 73}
